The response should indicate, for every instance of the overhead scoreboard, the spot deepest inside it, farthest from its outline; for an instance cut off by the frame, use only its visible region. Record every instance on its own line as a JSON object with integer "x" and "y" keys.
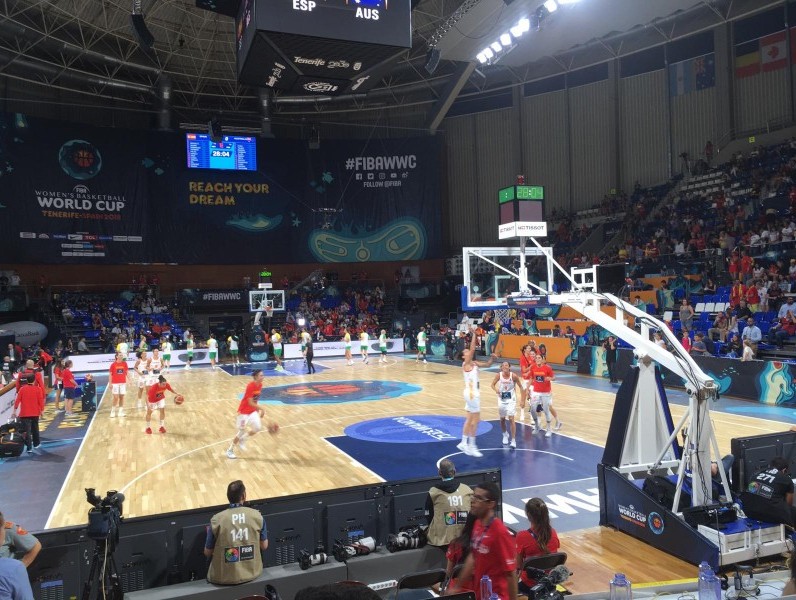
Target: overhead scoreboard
{"x": 322, "y": 47}
{"x": 521, "y": 212}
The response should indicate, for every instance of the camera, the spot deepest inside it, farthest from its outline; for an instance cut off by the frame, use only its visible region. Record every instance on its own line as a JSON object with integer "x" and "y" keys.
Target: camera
{"x": 105, "y": 516}
{"x": 545, "y": 588}
{"x": 342, "y": 551}
{"x": 407, "y": 538}
{"x": 307, "y": 560}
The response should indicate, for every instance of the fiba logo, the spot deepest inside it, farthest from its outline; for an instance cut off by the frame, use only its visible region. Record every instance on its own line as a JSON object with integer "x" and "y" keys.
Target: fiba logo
{"x": 81, "y": 189}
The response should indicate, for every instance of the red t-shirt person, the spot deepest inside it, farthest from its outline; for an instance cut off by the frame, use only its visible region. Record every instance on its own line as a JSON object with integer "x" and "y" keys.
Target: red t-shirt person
{"x": 118, "y": 372}
{"x": 158, "y": 392}
{"x": 495, "y": 555}
{"x": 528, "y": 546}
{"x": 29, "y": 401}
{"x": 538, "y": 375}
{"x": 252, "y": 391}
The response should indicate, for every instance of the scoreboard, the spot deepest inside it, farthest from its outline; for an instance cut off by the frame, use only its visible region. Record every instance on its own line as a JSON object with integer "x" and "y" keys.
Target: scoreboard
{"x": 235, "y": 153}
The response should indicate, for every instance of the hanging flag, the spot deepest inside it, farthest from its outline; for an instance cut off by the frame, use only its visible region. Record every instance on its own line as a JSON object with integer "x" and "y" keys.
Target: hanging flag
{"x": 692, "y": 75}
{"x": 681, "y": 78}
{"x": 774, "y": 51}
{"x": 705, "y": 71}
{"x": 747, "y": 59}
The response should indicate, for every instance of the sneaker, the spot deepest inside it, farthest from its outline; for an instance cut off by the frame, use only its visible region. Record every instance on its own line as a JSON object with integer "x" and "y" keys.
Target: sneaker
{"x": 241, "y": 445}
{"x": 30, "y": 450}
{"x": 474, "y": 451}
{"x": 425, "y": 361}
{"x": 558, "y": 425}
{"x": 513, "y": 443}
{"x": 69, "y": 414}
{"x": 113, "y": 413}
{"x": 366, "y": 361}
{"x": 505, "y": 438}
{"x": 121, "y": 413}
{"x": 463, "y": 447}
{"x": 37, "y": 446}
{"x": 162, "y": 429}
{"x": 59, "y": 410}
{"x": 230, "y": 453}
{"x": 148, "y": 431}
{"x": 187, "y": 366}
{"x": 549, "y": 433}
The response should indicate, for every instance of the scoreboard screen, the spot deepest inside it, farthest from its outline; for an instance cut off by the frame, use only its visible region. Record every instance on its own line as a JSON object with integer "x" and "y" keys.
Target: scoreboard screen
{"x": 383, "y": 22}
{"x": 233, "y": 153}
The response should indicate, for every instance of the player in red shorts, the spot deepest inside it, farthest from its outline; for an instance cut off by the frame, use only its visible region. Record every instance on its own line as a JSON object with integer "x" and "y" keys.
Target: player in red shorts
{"x": 249, "y": 414}
{"x": 118, "y": 375}
{"x": 156, "y": 398}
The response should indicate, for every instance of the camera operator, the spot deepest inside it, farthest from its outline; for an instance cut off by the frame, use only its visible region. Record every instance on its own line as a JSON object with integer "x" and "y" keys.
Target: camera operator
{"x": 769, "y": 495}
{"x": 235, "y": 540}
{"x": 447, "y": 498}
{"x": 15, "y": 542}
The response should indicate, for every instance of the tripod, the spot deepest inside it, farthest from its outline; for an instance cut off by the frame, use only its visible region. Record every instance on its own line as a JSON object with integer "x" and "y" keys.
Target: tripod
{"x": 103, "y": 572}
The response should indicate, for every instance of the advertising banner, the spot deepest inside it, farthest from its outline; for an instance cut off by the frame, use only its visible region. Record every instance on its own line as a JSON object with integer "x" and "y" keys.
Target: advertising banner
{"x": 84, "y": 363}
{"x": 76, "y": 194}
{"x": 326, "y": 349}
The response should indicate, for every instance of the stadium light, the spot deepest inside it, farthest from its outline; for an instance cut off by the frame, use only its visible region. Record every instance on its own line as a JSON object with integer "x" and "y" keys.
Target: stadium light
{"x": 516, "y": 31}
{"x": 524, "y": 25}
{"x": 481, "y": 57}
{"x": 488, "y": 53}
{"x": 496, "y": 46}
{"x": 551, "y": 6}
{"x": 505, "y": 40}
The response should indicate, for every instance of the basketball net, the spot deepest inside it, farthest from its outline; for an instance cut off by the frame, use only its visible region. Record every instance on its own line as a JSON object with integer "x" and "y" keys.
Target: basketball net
{"x": 269, "y": 310}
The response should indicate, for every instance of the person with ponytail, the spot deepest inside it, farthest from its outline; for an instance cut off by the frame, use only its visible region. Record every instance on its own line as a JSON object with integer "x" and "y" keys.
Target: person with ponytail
{"x": 539, "y": 539}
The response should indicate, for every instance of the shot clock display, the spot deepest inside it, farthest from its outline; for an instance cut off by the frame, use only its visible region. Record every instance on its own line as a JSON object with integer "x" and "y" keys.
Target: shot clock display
{"x": 234, "y": 153}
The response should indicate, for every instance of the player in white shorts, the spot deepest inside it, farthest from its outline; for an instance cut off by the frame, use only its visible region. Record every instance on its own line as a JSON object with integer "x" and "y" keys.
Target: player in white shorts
{"x": 141, "y": 369}
{"x": 504, "y": 384}
{"x": 347, "y": 340}
{"x": 118, "y": 380}
{"x": 472, "y": 398}
{"x": 155, "y": 367}
{"x": 167, "y": 348}
{"x": 212, "y": 350}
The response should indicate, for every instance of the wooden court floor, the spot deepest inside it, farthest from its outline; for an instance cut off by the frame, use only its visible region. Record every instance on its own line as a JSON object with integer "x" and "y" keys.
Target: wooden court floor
{"x": 186, "y": 468}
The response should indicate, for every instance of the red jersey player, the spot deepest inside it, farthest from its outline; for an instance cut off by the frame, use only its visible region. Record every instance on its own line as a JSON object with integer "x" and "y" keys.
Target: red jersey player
{"x": 249, "y": 414}
{"x": 541, "y": 376}
{"x": 156, "y": 398}
{"x": 118, "y": 374}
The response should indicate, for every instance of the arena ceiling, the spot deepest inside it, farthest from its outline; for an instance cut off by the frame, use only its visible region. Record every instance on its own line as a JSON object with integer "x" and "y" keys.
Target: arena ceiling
{"x": 86, "y": 49}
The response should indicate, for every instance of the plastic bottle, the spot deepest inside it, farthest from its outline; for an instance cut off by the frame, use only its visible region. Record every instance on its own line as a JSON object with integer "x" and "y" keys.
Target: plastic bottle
{"x": 620, "y": 588}
{"x": 709, "y": 585}
{"x": 486, "y": 587}
{"x": 494, "y": 596}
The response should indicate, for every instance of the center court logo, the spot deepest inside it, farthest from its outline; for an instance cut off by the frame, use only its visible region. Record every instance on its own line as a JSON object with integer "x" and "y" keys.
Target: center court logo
{"x": 412, "y": 429}
{"x": 337, "y": 392}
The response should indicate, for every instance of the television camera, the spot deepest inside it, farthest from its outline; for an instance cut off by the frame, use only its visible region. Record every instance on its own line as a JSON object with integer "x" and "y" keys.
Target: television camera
{"x": 104, "y": 522}
{"x": 307, "y": 560}
{"x": 546, "y": 582}
{"x": 343, "y": 550}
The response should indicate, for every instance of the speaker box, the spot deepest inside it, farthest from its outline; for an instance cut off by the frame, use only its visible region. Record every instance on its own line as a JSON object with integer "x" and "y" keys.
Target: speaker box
{"x": 141, "y": 32}
{"x": 432, "y": 60}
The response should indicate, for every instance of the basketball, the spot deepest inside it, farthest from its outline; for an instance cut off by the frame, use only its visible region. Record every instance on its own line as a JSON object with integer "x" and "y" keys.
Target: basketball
{"x": 273, "y": 428}
{"x": 179, "y": 399}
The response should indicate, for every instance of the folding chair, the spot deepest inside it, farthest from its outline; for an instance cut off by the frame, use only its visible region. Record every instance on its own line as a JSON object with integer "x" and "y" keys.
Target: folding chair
{"x": 418, "y": 585}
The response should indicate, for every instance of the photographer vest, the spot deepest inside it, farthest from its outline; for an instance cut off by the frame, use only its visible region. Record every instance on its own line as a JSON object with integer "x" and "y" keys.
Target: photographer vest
{"x": 450, "y": 514}
{"x": 236, "y": 556}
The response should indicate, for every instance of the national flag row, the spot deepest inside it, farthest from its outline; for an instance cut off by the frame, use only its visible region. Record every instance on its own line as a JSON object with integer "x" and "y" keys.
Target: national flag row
{"x": 692, "y": 75}
{"x": 765, "y": 54}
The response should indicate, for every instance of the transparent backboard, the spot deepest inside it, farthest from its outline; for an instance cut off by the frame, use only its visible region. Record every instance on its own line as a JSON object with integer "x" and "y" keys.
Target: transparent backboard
{"x": 492, "y": 274}
{"x": 259, "y": 300}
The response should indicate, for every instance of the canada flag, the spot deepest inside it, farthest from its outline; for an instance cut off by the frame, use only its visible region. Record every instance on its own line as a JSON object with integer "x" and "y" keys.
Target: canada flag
{"x": 774, "y": 51}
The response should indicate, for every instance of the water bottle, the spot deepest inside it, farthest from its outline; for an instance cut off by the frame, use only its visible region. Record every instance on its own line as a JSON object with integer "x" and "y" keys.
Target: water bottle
{"x": 620, "y": 588}
{"x": 709, "y": 584}
{"x": 494, "y": 596}
{"x": 486, "y": 588}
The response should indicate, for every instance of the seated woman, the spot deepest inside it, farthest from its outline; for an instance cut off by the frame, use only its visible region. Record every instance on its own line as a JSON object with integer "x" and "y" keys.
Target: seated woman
{"x": 456, "y": 553}
{"x": 538, "y": 540}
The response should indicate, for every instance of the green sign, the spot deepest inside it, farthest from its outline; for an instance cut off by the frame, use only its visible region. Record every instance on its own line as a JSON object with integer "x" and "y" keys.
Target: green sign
{"x": 265, "y": 273}
{"x": 521, "y": 192}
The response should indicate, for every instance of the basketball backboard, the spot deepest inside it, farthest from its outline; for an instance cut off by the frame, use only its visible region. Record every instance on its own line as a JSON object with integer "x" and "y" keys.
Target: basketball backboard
{"x": 259, "y": 299}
